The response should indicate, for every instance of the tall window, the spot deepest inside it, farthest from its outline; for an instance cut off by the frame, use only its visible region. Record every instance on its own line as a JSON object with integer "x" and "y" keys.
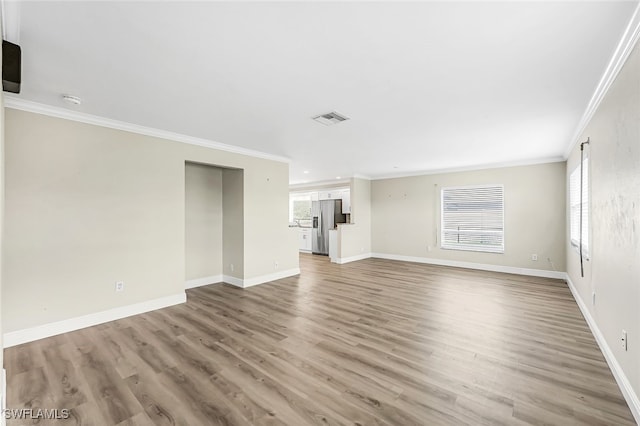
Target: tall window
{"x": 473, "y": 218}
{"x": 574, "y": 205}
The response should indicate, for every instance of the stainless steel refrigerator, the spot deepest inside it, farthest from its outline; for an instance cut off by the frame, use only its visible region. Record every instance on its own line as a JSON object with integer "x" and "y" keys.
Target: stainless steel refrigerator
{"x": 326, "y": 214}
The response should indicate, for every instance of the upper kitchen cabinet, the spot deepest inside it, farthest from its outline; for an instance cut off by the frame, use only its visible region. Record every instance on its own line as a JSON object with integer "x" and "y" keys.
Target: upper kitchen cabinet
{"x": 334, "y": 194}
{"x": 337, "y": 194}
{"x": 300, "y": 202}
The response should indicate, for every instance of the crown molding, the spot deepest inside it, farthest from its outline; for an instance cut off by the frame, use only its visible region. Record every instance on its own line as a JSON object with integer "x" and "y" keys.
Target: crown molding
{"x": 14, "y": 102}
{"x": 620, "y": 55}
{"x": 328, "y": 182}
{"x": 359, "y": 176}
{"x": 472, "y": 168}
{"x": 518, "y": 163}
{"x": 342, "y": 183}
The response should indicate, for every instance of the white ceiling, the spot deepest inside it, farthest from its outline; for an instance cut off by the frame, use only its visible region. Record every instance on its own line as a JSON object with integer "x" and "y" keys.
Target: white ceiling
{"x": 427, "y": 86}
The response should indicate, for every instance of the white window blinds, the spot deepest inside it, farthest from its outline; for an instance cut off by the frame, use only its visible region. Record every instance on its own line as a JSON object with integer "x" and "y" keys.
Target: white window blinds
{"x": 574, "y": 205}
{"x": 473, "y": 218}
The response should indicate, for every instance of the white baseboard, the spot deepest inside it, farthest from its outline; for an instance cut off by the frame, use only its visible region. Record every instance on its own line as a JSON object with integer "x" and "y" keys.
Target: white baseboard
{"x": 249, "y": 282}
{"x": 232, "y": 280}
{"x": 199, "y": 282}
{"x": 623, "y": 382}
{"x": 470, "y": 265}
{"x": 19, "y": 337}
{"x": 343, "y": 260}
{"x": 621, "y": 378}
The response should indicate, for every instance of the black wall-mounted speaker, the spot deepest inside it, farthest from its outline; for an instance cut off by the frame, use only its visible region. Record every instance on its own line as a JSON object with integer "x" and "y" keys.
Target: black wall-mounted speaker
{"x": 11, "y": 67}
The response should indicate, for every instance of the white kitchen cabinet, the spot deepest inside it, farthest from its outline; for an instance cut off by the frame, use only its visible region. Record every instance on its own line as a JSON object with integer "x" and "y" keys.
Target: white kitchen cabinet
{"x": 330, "y": 195}
{"x": 304, "y": 239}
{"x": 338, "y": 194}
{"x": 346, "y": 201}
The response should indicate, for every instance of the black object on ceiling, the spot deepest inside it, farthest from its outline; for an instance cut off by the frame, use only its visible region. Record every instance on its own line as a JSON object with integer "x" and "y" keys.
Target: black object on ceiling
{"x": 11, "y": 67}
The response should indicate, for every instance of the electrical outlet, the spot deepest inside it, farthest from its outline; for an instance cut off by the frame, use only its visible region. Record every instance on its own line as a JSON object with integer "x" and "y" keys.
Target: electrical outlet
{"x": 428, "y": 248}
{"x": 593, "y": 298}
{"x": 534, "y": 257}
{"x": 231, "y": 267}
{"x": 275, "y": 265}
{"x": 624, "y": 340}
{"x": 119, "y": 286}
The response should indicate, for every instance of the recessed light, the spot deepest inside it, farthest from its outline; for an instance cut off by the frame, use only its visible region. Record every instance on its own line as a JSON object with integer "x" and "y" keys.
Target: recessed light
{"x": 306, "y": 172}
{"x": 395, "y": 167}
{"x": 74, "y": 100}
{"x": 338, "y": 177}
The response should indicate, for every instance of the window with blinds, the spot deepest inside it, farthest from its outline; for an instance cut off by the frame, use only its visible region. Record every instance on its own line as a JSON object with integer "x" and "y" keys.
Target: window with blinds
{"x": 473, "y": 218}
{"x": 574, "y": 205}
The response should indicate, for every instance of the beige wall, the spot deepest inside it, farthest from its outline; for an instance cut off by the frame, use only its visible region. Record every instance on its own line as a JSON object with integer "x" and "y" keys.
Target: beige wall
{"x": 233, "y": 223}
{"x": 87, "y": 206}
{"x": 268, "y": 207}
{"x": 203, "y": 221}
{"x": 355, "y": 238}
{"x": 406, "y": 215}
{"x": 613, "y": 271}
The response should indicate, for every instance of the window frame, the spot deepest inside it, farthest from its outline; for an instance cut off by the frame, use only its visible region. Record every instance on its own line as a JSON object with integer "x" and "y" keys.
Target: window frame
{"x": 298, "y": 196}
{"x": 444, "y": 246}
{"x": 586, "y": 188}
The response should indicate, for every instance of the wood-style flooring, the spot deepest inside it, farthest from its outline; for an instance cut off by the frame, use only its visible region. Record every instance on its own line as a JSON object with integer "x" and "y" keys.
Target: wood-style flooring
{"x": 373, "y": 342}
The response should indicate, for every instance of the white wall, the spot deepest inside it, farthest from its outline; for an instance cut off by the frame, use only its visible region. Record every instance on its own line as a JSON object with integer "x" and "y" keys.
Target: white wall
{"x": 203, "y": 221}
{"x": 2, "y": 238}
{"x": 88, "y": 205}
{"x": 613, "y": 272}
{"x": 354, "y": 239}
{"x": 406, "y": 216}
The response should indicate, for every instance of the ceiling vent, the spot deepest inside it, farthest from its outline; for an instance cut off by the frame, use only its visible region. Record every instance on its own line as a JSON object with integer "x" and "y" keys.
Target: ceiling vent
{"x": 330, "y": 118}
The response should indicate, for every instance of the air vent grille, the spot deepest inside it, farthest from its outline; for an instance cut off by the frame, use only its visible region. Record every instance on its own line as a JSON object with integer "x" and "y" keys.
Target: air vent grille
{"x": 330, "y": 118}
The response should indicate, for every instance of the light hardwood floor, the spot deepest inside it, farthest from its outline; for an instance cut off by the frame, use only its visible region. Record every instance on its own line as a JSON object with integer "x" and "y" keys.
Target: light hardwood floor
{"x": 374, "y": 342}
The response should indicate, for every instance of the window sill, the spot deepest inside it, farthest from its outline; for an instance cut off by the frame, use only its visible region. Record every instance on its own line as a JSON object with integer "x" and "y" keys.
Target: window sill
{"x": 478, "y": 250}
